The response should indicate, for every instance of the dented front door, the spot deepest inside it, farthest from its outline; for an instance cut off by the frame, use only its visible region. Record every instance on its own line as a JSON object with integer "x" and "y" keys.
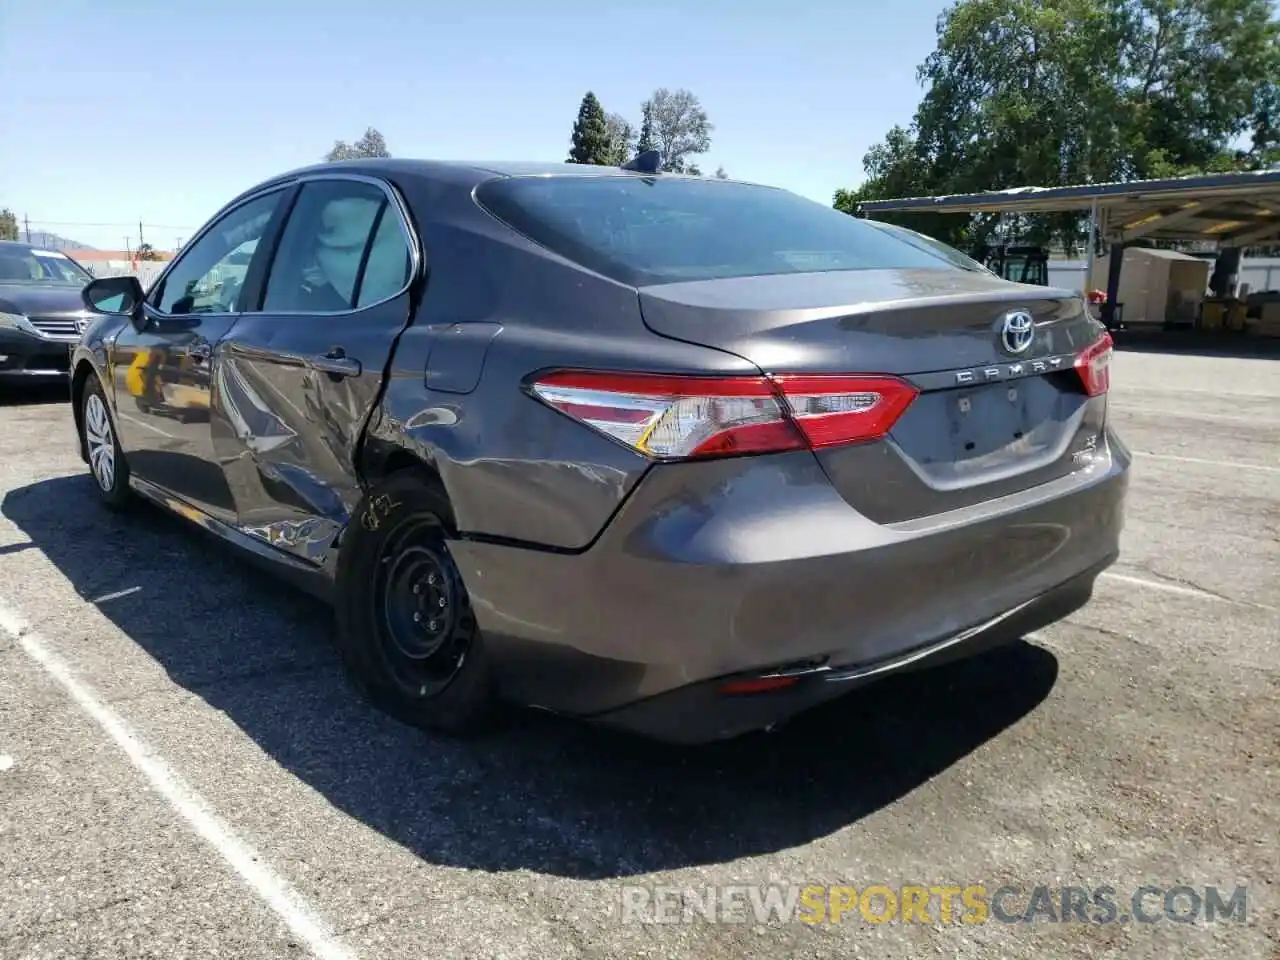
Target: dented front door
{"x": 297, "y": 380}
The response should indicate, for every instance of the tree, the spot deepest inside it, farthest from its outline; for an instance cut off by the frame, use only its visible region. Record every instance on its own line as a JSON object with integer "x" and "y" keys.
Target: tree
{"x": 680, "y": 127}
{"x": 720, "y": 174}
{"x": 372, "y": 144}
{"x": 8, "y": 225}
{"x": 1054, "y": 92}
{"x": 591, "y": 142}
{"x": 147, "y": 252}
{"x": 646, "y": 141}
{"x": 622, "y": 138}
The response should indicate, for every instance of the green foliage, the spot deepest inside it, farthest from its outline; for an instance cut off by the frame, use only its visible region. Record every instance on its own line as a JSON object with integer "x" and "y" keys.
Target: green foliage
{"x": 646, "y": 141}
{"x": 678, "y": 126}
{"x": 1055, "y": 92}
{"x": 8, "y": 225}
{"x": 591, "y": 140}
{"x": 147, "y": 252}
{"x": 720, "y": 174}
{"x": 372, "y": 144}
{"x": 622, "y": 138}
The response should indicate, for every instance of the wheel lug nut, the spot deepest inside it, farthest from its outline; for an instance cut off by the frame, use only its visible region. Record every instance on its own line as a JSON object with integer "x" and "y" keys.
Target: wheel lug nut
{"x": 431, "y": 625}
{"x": 417, "y": 589}
{"x": 431, "y": 579}
{"x": 417, "y": 618}
{"x": 442, "y": 601}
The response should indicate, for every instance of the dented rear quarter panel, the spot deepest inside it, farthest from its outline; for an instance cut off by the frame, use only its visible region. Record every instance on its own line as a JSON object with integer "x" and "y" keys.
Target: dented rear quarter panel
{"x": 495, "y": 310}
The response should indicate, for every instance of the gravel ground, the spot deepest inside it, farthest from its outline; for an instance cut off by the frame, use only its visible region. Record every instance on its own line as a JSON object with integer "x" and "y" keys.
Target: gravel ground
{"x": 1136, "y": 743}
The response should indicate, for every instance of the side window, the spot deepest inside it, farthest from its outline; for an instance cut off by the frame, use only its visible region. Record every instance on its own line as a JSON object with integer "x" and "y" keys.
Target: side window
{"x": 388, "y": 262}
{"x": 207, "y": 278}
{"x": 343, "y": 248}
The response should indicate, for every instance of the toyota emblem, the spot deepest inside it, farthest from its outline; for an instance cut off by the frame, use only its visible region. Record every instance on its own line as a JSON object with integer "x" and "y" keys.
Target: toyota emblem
{"x": 1017, "y": 331}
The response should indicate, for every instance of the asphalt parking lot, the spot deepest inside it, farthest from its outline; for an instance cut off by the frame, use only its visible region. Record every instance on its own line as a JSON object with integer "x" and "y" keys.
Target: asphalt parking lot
{"x": 185, "y": 773}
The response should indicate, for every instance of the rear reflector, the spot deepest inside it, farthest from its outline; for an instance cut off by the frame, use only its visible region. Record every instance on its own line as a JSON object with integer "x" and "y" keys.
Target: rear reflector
{"x": 1093, "y": 363}
{"x": 758, "y": 685}
{"x": 673, "y": 417}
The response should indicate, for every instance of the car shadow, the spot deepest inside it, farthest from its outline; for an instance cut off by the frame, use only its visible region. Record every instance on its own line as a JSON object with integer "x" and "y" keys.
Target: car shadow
{"x": 543, "y": 794}
{"x": 26, "y": 394}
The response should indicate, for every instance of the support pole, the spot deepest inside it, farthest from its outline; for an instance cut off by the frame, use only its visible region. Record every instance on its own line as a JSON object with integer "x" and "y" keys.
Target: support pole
{"x": 1113, "y": 285}
{"x": 1091, "y": 247}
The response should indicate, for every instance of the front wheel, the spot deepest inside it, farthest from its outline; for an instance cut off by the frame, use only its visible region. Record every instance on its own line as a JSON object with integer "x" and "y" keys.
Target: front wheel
{"x": 102, "y": 446}
{"x": 406, "y": 630}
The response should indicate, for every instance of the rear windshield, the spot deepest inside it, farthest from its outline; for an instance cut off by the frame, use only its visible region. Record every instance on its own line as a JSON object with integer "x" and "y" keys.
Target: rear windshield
{"x": 947, "y": 252}
{"x": 642, "y": 231}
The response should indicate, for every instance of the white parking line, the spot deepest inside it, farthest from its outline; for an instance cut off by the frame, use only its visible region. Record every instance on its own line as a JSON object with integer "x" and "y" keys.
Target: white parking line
{"x": 1166, "y": 587}
{"x": 1230, "y": 464}
{"x": 270, "y": 887}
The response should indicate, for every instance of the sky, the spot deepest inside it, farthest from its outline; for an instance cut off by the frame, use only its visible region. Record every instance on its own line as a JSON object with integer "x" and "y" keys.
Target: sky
{"x": 160, "y": 112}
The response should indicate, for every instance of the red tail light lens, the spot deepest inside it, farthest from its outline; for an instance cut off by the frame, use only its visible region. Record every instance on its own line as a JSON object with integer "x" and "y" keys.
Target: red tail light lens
{"x": 1093, "y": 363}
{"x": 836, "y": 410}
{"x": 680, "y": 417}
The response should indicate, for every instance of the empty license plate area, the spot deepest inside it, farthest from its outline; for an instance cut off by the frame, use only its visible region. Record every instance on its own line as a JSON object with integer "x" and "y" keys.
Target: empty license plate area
{"x": 959, "y": 433}
{"x": 991, "y": 419}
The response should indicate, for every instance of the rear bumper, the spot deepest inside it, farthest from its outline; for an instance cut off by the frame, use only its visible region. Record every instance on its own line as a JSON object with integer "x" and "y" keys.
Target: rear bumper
{"x": 700, "y": 712}
{"x": 754, "y": 565}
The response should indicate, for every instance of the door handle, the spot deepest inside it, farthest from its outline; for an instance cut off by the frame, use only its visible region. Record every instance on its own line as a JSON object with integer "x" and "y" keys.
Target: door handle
{"x": 336, "y": 363}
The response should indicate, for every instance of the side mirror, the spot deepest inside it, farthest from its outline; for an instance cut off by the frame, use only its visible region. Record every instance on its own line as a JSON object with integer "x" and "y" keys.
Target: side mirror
{"x": 113, "y": 295}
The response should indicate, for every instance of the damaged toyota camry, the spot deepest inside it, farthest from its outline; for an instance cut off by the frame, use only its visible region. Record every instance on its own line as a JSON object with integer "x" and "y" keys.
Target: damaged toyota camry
{"x": 681, "y": 455}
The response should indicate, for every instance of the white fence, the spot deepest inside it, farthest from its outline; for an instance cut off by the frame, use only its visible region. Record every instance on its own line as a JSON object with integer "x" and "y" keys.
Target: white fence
{"x": 1259, "y": 273}
{"x": 146, "y": 271}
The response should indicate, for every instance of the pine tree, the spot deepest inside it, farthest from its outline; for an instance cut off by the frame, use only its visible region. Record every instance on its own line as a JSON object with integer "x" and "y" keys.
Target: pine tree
{"x": 646, "y": 141}
{"x": 591, "y": 142}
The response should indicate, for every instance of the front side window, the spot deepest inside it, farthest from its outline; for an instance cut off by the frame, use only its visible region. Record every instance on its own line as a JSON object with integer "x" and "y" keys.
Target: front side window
{"x": 342, "y": 249}
{"x": 209, "y": 275}
{"x": 648, "y": 230}
{"x": 19, "y": 264}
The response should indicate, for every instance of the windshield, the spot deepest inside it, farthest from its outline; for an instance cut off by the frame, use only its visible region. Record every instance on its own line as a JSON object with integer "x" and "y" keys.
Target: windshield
{"x": 925, "y": 242}
{"x": 643, "y": 230}
{"x": 33, "y": 265}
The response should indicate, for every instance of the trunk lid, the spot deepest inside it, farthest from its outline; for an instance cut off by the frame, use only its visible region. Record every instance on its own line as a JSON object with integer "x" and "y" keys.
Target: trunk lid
{"x": 863, "y": 321}
{"x": 988, "y": 420}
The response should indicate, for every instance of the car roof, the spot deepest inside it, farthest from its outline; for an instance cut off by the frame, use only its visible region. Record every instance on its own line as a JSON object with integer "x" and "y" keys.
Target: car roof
{"x": 459, "y": 173}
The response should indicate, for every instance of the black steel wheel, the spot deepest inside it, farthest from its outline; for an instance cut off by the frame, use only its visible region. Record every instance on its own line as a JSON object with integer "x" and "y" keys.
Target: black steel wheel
{"x": 406, "y": 629}
{"x": 425, "y": 624}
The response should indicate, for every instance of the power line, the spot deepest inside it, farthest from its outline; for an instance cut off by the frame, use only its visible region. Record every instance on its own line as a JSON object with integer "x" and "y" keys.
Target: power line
{"x": 80, "y": 223}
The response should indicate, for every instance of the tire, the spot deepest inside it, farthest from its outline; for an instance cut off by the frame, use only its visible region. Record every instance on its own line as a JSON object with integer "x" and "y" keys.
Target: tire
{"x": 395, "y": 574}
{"x": 109, "y": 468}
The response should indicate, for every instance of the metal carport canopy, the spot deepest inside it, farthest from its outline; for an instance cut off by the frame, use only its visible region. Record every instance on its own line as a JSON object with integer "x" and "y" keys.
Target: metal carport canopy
{"x": 1232, "y": 209}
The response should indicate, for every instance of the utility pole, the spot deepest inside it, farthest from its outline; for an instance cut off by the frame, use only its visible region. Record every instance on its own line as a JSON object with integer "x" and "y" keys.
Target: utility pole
{"x": 141, "y": 243}
{"x": 128, "y": 252}
{"x": 26, "y": 222}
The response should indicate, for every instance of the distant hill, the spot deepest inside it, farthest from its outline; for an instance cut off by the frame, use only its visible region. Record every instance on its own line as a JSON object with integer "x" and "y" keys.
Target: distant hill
{"x": 43, "y": 238}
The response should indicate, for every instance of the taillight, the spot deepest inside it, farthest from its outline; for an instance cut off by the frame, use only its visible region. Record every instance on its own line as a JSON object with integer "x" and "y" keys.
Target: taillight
{"x": 1093, "y": 363}
{"x": 676, "y": 417}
